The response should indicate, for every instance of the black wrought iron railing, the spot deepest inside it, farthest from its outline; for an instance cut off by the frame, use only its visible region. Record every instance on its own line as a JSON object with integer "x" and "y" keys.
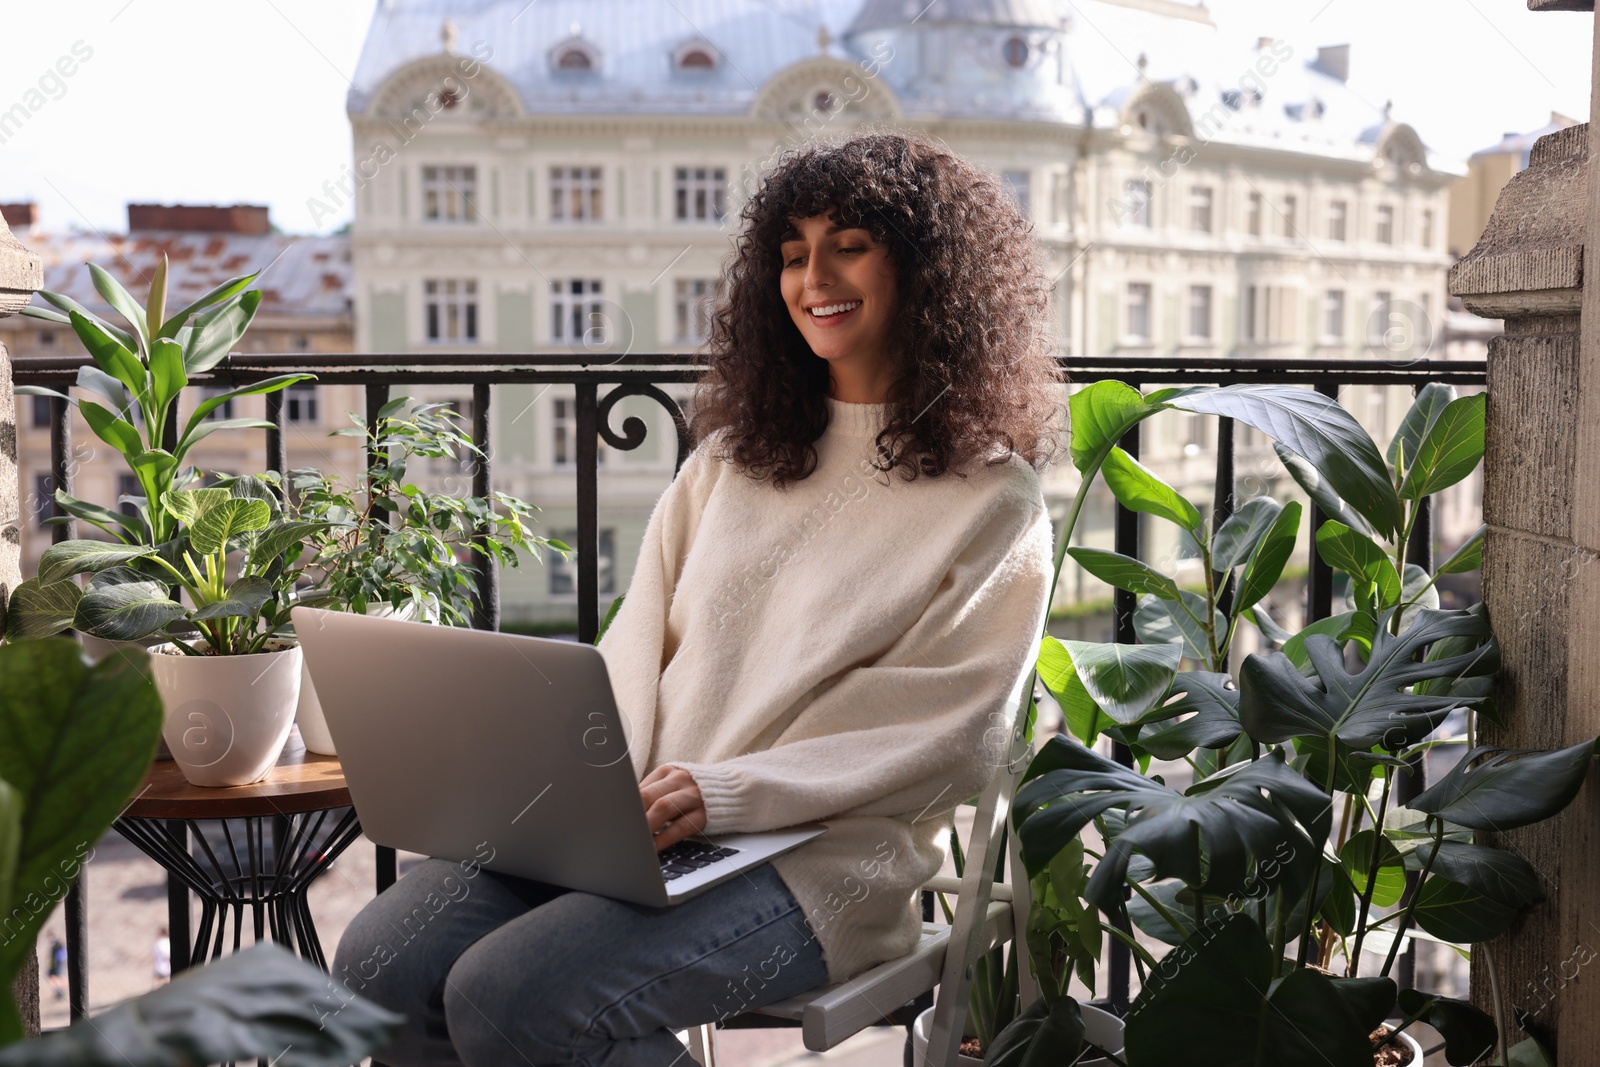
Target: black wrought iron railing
{"x": 600, "y": 384}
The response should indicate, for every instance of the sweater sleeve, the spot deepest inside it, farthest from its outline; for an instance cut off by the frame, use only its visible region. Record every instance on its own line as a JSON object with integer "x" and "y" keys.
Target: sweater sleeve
{"x": 922, "y": 728}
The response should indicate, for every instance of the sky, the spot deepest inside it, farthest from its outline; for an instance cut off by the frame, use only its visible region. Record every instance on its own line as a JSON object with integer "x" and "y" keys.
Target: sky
{"x": 242, "y": 101}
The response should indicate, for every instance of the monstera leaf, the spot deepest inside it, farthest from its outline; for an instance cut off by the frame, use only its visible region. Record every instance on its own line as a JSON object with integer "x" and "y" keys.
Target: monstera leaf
{"x": 1211, "y": 703}
{"x": 1502, "y": 789}
{"x": 1240, "y": 814}
{"x": 1371, "y": 706}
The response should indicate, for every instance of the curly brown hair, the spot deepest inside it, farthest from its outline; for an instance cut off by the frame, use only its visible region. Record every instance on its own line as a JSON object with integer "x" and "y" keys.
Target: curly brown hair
{"x": 974, "y": 375}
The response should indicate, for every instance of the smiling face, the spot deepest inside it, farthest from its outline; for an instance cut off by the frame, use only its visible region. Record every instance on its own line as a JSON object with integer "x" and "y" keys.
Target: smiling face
{"x": 839, "y": 287}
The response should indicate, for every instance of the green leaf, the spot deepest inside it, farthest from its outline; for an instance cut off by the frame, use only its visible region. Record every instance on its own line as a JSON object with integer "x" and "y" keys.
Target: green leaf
{"x": 262, "y": 1003}
{"x": 109, "y": 354}
{"x": 215, "y": 527}
{"x": 1270, "y": 556}
{"x": 1263, "y": 621}
{"x": 1212, "y": 703}
{"x": 75, "y": 741}
{"x": 1430, "y": 401}
{"x": 218, "y": 333}
{"x": 1469, "y": 557}
{"x": 1529, "y": 1053}
{"x": 1213, "y": 1002}
{"x": 1317, "y": 429}
{"x": 1138, "y": 489}
{"x": 206, "y": 429}
{"x": 127, "y": 611}
{"x": 278, "y": 538}
{"x": 69, "y": 305}
{"x": 1342, "y": 627}
{"x": 1245, "y": 813}
{"x": 1373, "y": 705}
{"x": 1316, "y": 487}
{"x": 1101, "y": 413}
{"x": 1460, "y": 914}
{"x": 207, "y": 406}
{"x": 118, "y": 433}
{"x": 1469, "y": 1034}
{"x": 1369, "y": 999}
{"x": 1125, "y": 681}
{"x": 1237, "y": 538}
{"x": 77, "y": 557}
{"x": 1160, "y": 622}
{"x": 190, "y": 504}
{"x": 166, "y": 371}
{"x": 1501, "y": 789}
{"x": 1045, "y": 1034}
{"x": 121, "y": 301}
{"x": 1451, "y": 450}
{"x": 226, "y": 291}
{"x": 1501, "y": 876}
{"x": 1125, "y": 572}
{"x": 1356, "y": 856}
{"x": 41, "y": 609}
{"x": 1084, "y": 720}
{"x": 1346, "y": 550}
{"x": 244, "y": 600}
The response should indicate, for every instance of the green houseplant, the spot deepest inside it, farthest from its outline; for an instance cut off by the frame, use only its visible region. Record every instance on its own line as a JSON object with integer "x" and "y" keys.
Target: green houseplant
{"x": 1288, "y": 854}
{"x": 393, "y": 546}
{"x": 177, "y": 538}
{"x": 75, "y": 740}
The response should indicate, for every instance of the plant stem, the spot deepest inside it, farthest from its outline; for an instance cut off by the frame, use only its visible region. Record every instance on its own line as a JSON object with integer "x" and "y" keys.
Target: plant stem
{"x": 1171, "y": 917}
{"x": 1372, "y": 874}
{"x": 1139, "y": 951}
{"x": 1499, "y": 1002}
{"x": 1199, "y": 891}
{"x": 1280, "y": 934}
{"x": 1411, "y": 905}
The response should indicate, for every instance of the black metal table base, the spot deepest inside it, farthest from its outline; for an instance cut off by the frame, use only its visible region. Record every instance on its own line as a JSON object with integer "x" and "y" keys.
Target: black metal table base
{"x": 263, "y": 864}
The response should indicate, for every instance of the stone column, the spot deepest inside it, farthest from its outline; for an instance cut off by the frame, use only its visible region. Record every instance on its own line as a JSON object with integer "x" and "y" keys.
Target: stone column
{"x": 21, "y": 275}
{"x": 1541, "y": 501}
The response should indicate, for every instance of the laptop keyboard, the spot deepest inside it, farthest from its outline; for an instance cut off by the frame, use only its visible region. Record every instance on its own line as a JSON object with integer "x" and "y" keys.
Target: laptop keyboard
{"x": 686, "y": 857}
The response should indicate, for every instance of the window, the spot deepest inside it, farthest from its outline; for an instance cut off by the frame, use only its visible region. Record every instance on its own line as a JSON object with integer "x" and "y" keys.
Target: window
{"x": 128, "y": 486}
{"x": 1252, "y": 218}
{"x": 1426, "y": 239}
{"x": 1378, "y": 321}
{"x": 1015, "y": 51}
{"x": 1383, "y": 231}
{"x": 574, "y": 59}
{"x": 1200, "y": 209}
{"x": 694, "y": 300}
{"x": 1058, "y": 197}
{"x": 1017, "y": 183}
{"x": 44, "y": 498}
{"x": 1338, "y": 211}
{"x": 41, "y": 412}
{"x": 576, "y": 314}
{"x": 221, "y": 411}
{"x": 564, "y": 437}
{"x": 1269, "y": 313}
{"x": 300, "y": 403}
{"x": 1291, "y": 217}
{"x": 697, "y": 59}
{"x": 575, "y": 194}
{"x": 701, "y": 193}
{"x": 564, "y": 572}
{"x": 451, "y": 307}
{"x": 1138, "y": 311}
{"x": 1136, "y": 203}
{"x": 1333, "y": 315}
{"x": 450, "y": 194}
{"x": 1200, "y": 311}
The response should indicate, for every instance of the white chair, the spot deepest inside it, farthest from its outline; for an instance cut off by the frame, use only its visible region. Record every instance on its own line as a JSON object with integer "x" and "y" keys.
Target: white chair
{"x": 987, "y": 914}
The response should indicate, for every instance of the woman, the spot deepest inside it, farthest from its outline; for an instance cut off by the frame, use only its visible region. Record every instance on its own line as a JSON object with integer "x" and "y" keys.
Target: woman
{"x": 831, "y": 603}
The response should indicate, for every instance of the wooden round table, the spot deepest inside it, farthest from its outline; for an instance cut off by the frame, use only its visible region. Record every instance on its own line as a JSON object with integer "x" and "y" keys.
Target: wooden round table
{"x": 249, "y": 847}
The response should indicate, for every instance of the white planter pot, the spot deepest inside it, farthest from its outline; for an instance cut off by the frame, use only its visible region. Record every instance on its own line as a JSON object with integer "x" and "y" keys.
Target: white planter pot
{"x": 227, "y": 716}
{"x": 1100, "y": 1028}
{"x": 313, "y": 724}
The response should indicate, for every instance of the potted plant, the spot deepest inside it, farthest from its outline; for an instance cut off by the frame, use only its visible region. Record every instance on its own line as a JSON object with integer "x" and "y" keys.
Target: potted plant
{"x": 77, "y": 739}
{"x": 1288, "y": 856}
{"x": 229, "y": 675}
{"x": 391, "y": 546}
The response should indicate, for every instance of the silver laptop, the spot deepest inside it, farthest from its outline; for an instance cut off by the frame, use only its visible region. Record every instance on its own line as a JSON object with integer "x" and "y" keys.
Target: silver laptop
{"x": 473, "y": 745}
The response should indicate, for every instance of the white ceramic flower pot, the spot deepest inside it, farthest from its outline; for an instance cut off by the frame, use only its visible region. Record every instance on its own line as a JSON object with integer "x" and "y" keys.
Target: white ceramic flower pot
{"x": 1101, "y": 1028}
{"x": 227, "y": 716}
{"x": 313, "y": 724}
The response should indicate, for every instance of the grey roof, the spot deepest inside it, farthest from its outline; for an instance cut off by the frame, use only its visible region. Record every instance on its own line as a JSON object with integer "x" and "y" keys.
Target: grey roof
{"x": 876, "y": 14}
{"x": 304, "y": 276}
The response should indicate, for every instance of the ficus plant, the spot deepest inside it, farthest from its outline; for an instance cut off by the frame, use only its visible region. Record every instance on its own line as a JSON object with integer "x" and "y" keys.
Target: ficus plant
{"x": 1270, "y": 872}
{"x": 140, "y": 372}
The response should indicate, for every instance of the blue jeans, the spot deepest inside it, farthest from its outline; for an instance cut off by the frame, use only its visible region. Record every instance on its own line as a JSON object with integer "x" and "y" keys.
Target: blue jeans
{"x": 491, "y": 969}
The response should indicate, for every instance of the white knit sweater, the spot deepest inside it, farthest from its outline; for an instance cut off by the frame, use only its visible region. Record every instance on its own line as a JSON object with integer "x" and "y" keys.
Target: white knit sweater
{"x": 839, "y": 651}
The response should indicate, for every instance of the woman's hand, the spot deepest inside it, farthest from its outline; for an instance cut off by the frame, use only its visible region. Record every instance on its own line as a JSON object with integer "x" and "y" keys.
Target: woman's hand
{"x": 672, "y": 805}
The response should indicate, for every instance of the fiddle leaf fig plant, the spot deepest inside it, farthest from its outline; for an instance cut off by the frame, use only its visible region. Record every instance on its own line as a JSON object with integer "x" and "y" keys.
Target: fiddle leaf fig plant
{"x": 1286, "y": 875}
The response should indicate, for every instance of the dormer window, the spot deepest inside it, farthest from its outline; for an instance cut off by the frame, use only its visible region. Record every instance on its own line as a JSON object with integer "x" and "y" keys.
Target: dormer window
{"x": 1015, "y": 52}
{"x": 574, "y": 59}
{"x": 697, "y": 59}
{"x": 576, "y": 54}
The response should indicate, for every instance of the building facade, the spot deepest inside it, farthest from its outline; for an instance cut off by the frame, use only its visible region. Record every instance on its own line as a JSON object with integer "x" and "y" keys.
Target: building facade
{"x": 556, "y": 176}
